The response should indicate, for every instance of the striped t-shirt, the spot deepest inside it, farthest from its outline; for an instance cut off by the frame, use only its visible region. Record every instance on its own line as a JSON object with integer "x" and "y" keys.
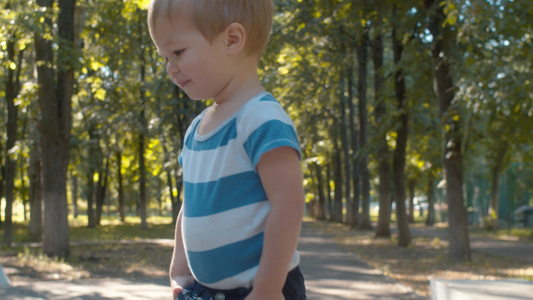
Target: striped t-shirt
{"x": 225, "y": 206}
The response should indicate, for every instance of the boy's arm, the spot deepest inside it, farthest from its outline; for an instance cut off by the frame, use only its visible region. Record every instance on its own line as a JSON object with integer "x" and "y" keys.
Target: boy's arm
{"x": 281, "y": 177}
{"x": 180, "y": 274}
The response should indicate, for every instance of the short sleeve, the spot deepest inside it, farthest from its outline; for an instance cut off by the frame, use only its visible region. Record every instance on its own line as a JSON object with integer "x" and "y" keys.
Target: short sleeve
{"x": 265, "y": 126}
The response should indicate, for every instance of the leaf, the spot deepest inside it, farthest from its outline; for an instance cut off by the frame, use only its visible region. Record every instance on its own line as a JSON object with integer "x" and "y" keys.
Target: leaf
{"x": 100, "y": 94}
{"x": 143, "y": 4}
{"x": 96, "y": 65}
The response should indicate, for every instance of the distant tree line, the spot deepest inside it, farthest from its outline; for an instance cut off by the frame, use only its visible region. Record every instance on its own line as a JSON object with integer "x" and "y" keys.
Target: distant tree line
{"x": 390, "y": 98}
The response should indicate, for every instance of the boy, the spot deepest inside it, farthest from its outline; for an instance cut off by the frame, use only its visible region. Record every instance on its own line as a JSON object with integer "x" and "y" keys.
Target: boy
{"x": 237, "y": 232}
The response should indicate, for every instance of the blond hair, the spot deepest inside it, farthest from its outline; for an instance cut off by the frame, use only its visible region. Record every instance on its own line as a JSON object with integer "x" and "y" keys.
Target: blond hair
{"x": 211, "y": 17}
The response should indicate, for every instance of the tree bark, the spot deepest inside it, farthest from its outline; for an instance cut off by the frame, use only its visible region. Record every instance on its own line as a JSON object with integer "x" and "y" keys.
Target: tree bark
{"x": 36, "y": 191}
{"x": 168, "y": 172}
{"x": 142, "y": 183}
{"x": 101, "y": 187}
{"x": 91, "y": 170}
{"x": 362, "y": 61}
{"x": 121, "y": 202}
{"x": 383, "y": 153}
{"x": 2, "y": 172}
{"x": 398, "y": 163}
{"x": 345, "y": 152}
{"x": 55, "y": 104}
{"x": 411, "y": 186}
{"x": 337, "y": 205}
{"x": 74, "y": 194}
{"x": 11, "y": 92}
{"x": 354, "y": 139}
{"x": 143, "y": 205}
{"x": 321, "y": 213}
{"x": 459, "y": 244}
{"x": 430, "y": 193}
{"x": 329, "y": 199}
{"x": 494, "y": 186}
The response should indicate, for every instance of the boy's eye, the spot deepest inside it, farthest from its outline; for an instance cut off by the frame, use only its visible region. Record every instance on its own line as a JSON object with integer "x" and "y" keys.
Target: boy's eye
{"x": 178, "y": 52}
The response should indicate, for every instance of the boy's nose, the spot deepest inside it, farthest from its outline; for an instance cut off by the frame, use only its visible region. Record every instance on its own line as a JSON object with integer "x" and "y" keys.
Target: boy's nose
{"x": 172, "y": 69}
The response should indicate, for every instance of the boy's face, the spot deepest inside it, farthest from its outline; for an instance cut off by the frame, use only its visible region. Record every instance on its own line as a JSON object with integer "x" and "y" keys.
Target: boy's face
{"x": 199, "y": 67}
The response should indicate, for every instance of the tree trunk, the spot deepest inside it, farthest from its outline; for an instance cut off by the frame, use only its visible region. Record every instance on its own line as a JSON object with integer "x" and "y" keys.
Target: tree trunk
{"x": 398, "y": 164}
{"x": 362, "y": 61}
{"x": 383, "y": 153}
{"x": 36, "y": 191}
{"x": 74, "y": 194}
{"x": 101, "y": 187}
{"x": 91, "y": 219}
{"x": 121, "y": 204}
{"x": 459, "y": 245}
{"x": 2, "y": 172}
{"x": 55, "y": 104}
{"x": 329, "y": 199}
{"x": 23, "y": 172}
{"x": 142, "y": 183}
{"x": 354, "y": 139}
{"x": 11, "y": 92}
{"x": 321, "y": 215}
{"x": 345, "y": 150}
{"x": 430, "y": 191}
{"x": 494, "y": 186}
{"x": 91, "y": 170}
{"x": 168, "y": 172}
{"x": 158, "y": 195}
{"x": 337, "y": 205}
{"x": 173, "y": 199}
{"x": 143, "y": 205}
{"x": 411, "y": 185}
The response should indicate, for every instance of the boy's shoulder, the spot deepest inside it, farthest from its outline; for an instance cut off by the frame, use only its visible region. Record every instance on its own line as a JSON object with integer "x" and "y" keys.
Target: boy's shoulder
{"x": 263, "y": 105}
{"x": 260, "y": 110}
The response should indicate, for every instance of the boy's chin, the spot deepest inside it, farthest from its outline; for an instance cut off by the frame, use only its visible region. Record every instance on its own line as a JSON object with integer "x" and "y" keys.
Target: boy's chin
{"x": 195, "y": 97}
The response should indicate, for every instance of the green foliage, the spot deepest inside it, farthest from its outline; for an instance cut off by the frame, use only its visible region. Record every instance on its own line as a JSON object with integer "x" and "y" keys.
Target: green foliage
{"x": 312, "y": 49}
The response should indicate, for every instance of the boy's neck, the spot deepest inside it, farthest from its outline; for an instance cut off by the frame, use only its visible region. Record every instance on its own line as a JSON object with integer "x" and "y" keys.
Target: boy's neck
{"x": 245, "y": 91}
{"x": 243, "y": 87}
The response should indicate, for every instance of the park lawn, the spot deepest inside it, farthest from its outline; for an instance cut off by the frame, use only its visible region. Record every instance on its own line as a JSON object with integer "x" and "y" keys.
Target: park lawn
{"x": 113, "y": 250}
{"x": 426, "y": 258}
{"x": 116, "y": 250}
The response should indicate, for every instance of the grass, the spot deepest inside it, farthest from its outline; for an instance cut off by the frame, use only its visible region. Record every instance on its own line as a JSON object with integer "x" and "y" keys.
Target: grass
{"x": 508, "y": 234}
{"x": 104, "y": 259}
{"x": 113, "y": 230}
{"x": 414, "y": 266}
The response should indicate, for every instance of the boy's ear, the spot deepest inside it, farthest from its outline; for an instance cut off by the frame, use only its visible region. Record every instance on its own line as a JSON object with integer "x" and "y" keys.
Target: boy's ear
{"x": 235, "y": 35}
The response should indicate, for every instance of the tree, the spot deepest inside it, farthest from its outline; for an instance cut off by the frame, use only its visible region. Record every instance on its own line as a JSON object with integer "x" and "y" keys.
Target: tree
{"x": 55, "y": 92}
{"x": 496, "y": 94}
{"x": 36, "y": 185}
{"x": 382, "y": 152}
{"x": 443, "y": 39}
{"x": 362, "y": 61}
{"x": 12, "y": 89}
{"x": 398, "y": 160}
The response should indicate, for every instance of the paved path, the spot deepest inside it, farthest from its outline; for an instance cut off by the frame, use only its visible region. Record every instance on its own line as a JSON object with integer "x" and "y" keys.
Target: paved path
{"x": 331, "y": 273}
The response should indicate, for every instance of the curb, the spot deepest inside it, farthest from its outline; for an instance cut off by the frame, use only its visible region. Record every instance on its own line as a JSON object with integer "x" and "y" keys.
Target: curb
{"x": 4, "y": 281}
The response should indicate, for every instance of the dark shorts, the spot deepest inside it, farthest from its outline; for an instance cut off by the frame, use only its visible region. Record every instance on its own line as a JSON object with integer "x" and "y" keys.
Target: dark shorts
{"x": 294, "y": 289}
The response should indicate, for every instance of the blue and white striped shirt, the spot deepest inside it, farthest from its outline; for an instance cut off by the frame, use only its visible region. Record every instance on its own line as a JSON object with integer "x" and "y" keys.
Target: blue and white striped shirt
{"x": 225, "y": 206}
